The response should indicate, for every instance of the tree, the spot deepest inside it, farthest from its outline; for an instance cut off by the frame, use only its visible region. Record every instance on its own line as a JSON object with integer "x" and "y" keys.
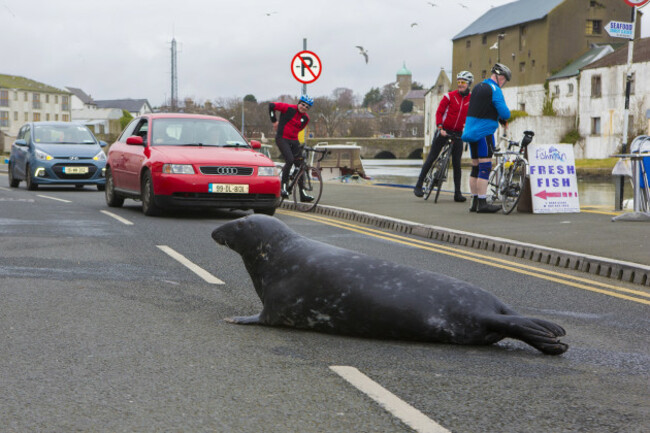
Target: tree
{"x": 417, "y": 86}
{"x": 406, "y": 106}
{"x": 344, "y": 97}
{"x": 372, "y": 98}
{"x": 327, "y": 116}
{"x": 125, "y": 119}
{"x": 250, "y": 98}
{"x": 389, "y": 96}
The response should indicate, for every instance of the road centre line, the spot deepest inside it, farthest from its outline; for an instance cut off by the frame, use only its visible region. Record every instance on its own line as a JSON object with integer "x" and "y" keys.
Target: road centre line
{"x": 53, "y": 198}
{"x": 486, "y": 260}
{"x": 208, "y": 277}
{"x": 117, "y": 217}
{"x": 393, "y": 404}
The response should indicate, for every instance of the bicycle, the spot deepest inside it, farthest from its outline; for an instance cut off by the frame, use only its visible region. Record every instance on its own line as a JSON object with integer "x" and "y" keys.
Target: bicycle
{"x": 308, "y": 179}
{"x": 506, "y": 181}
{"x": 437, "y": 174}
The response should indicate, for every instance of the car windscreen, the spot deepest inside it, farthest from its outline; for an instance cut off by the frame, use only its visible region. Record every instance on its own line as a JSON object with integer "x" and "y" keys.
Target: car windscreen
{"x": 63, "y": 134}
{"x": 195, "y": 132}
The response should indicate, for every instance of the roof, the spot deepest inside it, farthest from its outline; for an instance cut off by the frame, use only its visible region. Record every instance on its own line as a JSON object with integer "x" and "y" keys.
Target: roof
{"x": 86, "y": 99}
{"x": 403, "y": 70}
{"x": 130, "y": 105}
{"x": 619, "y": 57}
{"x": 508, "y": 15}
{"x": 572, "y": 69}
{"x": 415, "y": 94}
{"x": 22, "y": 83}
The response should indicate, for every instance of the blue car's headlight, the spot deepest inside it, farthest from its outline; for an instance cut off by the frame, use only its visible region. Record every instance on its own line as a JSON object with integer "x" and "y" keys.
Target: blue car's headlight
{"x": 101, "y": 156}
{"x": 42, "y": 155}
{"x": 268, "y": 171}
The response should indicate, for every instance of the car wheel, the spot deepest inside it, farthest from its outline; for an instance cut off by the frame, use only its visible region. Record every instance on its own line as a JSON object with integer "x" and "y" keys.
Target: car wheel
{"x": 112, "y": 198}
{"x": 101, "y": 187}
{"x": 13, "y": 182}
{"x": 149, "y": 207}
{"x": 30, "y": 180}
{"x": 266, "y": 211}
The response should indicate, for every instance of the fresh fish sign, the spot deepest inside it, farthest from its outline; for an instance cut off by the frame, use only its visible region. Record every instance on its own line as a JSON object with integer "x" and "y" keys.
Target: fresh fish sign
{"x": 553, "y": 180}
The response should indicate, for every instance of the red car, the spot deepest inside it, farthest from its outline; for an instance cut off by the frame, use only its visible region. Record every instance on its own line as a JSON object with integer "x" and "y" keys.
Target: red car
{"x": 168, "y": 160}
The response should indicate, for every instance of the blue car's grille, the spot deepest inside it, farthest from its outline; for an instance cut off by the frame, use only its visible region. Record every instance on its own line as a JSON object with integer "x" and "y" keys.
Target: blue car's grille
{"x": 59, "y": 171}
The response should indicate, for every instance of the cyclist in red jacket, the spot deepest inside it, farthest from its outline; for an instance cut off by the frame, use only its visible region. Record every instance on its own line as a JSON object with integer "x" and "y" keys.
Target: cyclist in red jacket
{"x": 450, "y": 116}
{"x": 293, "y": 119}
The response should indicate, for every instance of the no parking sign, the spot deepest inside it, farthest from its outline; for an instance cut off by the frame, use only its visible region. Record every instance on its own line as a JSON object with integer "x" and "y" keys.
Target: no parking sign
{"x": 306, "y": 67}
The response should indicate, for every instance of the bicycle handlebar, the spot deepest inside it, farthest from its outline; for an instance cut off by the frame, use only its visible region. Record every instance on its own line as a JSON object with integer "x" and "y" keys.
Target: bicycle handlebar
{"x": 323, "y": 152}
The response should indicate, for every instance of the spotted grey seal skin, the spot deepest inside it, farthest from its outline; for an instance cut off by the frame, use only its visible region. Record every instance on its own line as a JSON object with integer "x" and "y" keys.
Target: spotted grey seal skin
{"x": 308, "y": 284}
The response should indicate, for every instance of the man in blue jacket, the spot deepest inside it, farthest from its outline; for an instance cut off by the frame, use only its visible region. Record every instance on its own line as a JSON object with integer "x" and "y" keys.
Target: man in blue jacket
{"x": 487, "y": 109}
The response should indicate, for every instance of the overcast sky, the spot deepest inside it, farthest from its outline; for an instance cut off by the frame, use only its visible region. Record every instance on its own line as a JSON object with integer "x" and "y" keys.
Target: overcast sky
{"x": 116, "y": 49}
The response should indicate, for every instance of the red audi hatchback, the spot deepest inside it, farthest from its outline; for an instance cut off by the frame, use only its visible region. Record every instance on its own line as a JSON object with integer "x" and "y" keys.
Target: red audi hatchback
{"x": 169, "y": 160}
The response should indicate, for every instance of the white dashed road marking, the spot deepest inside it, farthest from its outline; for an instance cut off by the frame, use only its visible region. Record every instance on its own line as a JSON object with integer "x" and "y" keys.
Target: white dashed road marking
{"x": 393, "y": 404}
{"x": 54, "y": 198}
{"x": 208, "y": 277}
{"x": 117, "y": 217}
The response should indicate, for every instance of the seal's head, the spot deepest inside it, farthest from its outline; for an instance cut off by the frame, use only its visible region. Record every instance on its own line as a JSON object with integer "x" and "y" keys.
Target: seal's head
{"x": 250, "y": 233}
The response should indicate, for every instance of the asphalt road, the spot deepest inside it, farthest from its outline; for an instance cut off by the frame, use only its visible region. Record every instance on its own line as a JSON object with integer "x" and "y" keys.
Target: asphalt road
{"x": 104, "y": 331}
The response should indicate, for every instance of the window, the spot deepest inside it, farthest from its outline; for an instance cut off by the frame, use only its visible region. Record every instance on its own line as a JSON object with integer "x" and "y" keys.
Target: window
{"x": 56, "y": 117}
{"x": 556, "y": 90}
{"x": 47, "y": 116}
{"x": 65, "y": 117}
{"x": 56, "y": 99}
{"x": 16, "y": 116}
{"x": 522, "y": 106}
{"x": 36, "y": 117}
{"x": 594, "y": 27}
{"x": 596, "y": 90}
{"x": 4, "y": 98}
{"x": 15, "y": 96}
{"x": 26, "y": 116}
{"x": 595, "y": 126}
{"x": 26, "y": 97}
{"x": 532, "y": 63}
{"x": 632, "y": 82}
{"x": 468, "y": 43}
{"x": 522, "y": 66}
{"x": 570, "y": 91}
{"x": 483, "y": 74}
{"x": 36, "y": 101}
{"x": 522, "y": 37}
{"x": 484, "y": 40}
{"x": 4, "y": 119}
{"x": 65, "y": 103}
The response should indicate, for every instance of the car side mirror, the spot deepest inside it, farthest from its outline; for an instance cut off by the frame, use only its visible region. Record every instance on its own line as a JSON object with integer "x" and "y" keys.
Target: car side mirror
{"x": 135, "y": 140}
{"x": 21, "y": 142}
{"x": 102, "y": 143}
{"x": 256, "y": 144}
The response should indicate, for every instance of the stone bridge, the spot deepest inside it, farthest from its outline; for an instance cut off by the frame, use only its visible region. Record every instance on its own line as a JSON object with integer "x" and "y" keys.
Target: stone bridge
{"x": 380, "y": 148}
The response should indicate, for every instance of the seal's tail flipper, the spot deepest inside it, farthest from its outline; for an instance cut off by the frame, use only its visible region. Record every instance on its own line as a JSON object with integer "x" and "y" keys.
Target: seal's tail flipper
{"x": 244, "y": 320}
{"x": 541, "y": 334}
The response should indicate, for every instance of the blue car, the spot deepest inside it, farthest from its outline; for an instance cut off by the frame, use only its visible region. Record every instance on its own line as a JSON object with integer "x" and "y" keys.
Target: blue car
{"x": 57, "y": 153}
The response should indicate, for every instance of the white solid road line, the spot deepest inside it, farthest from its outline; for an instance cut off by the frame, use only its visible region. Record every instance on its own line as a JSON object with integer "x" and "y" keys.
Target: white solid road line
{"x": 402, "y": 410}
{"x": 208, "y": 277}
{"x": 54, "y": 198}
{"x": 117, "y": 217}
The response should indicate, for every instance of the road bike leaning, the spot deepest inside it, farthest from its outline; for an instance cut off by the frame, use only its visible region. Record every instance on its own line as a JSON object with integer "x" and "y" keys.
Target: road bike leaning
{"x": 508, "y": 177}
{"x": 306, "y": 182}
{"x": 437, "y": 174}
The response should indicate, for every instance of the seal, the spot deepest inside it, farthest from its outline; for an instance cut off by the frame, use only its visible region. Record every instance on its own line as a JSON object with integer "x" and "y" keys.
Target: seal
{"x": 308, "y": 284}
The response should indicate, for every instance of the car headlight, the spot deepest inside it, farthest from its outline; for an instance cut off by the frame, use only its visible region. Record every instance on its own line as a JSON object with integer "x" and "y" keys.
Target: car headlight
{"x": 268, "y": 171}
{"x": 177, "y": 169}
{"x": 42, "y": 155}
{"x": 101, "y": 156}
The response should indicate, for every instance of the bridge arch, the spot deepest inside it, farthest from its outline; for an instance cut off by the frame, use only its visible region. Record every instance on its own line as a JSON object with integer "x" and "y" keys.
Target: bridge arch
{"x": 385, "y": 154}
{"x": 416, "y": 154}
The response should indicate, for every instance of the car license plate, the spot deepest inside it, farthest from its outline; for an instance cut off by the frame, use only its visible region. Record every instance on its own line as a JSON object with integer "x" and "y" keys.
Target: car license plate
{"x": 75, "y": 170}
{"x": 228, "y": 188}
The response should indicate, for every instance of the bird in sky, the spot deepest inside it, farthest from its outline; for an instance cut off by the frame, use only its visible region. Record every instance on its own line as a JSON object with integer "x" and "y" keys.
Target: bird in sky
{"x": 414, "y": 24}
{"x": 462, "y": 5}
{"x": 363, "y": 52}
{"x": 432, "y": 4}
{"x": 268, "y": 14}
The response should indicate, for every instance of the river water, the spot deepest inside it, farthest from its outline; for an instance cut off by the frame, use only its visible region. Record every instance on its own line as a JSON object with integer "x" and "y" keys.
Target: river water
{"x": 592, "y": 192}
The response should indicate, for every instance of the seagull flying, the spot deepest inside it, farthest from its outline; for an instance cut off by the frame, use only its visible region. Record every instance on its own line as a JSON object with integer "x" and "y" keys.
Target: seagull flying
{"x": 432, "y": 4}
{"x": 268, "y": 14}
{"x": 363, "y": 52}
{"x": 414, "y": 24}
{"x": 462, "y": 5}
{"x": 495, "y": 46}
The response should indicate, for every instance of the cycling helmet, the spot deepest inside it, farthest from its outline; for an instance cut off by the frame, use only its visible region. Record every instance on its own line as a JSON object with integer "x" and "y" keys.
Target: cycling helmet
{"x": 501, "y": 69}
{"x": 307, "y": 100}
{"x": 467, "y": 76}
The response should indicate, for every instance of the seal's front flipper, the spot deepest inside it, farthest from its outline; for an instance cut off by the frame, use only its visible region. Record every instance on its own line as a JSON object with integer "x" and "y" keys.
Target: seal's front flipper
{"x": 244, "y": 320}
{"x": 541, "y": 334}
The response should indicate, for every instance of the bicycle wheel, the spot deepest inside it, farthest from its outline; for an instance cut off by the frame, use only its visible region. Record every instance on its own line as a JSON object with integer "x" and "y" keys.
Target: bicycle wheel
{"x": 440, "y": 173}
{"x": 307, "y": 197}
{"x": 428, "y": 184}
{"x": 514, "y": 186}
{"x": 492, "y": 194}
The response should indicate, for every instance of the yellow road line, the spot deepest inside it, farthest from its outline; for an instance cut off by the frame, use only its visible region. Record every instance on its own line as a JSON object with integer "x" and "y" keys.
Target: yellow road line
{"x": 479, "y": 258}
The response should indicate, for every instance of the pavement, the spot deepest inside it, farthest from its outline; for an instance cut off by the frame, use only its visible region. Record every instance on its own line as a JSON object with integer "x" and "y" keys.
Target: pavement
{"x": 588, "y": 241}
